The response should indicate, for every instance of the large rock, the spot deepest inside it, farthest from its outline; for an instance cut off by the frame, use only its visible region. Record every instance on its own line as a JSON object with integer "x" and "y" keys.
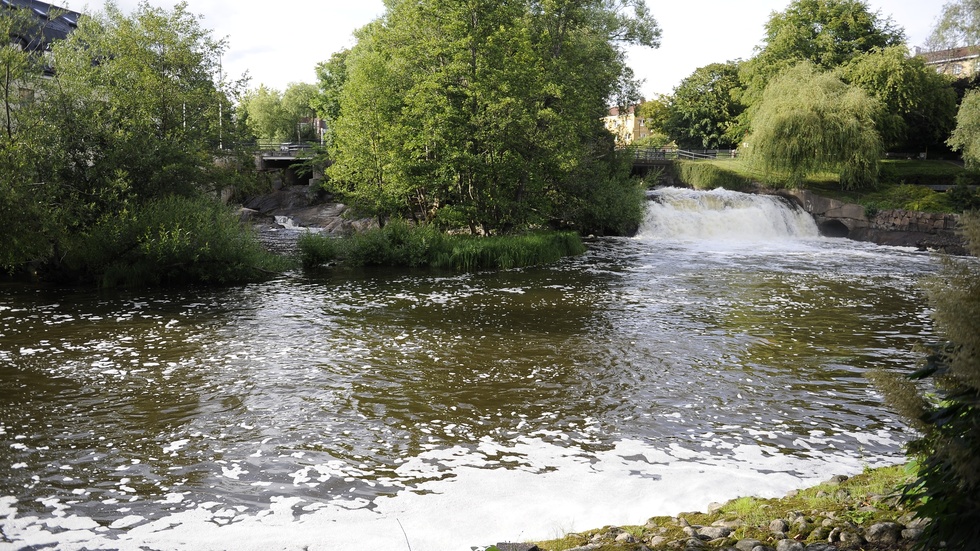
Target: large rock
{"x": 884, "y": 533}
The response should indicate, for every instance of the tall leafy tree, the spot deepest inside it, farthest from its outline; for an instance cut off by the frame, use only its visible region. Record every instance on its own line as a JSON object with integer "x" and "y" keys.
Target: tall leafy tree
{"x": 918, "y": 104}
{"x": 480, "y": 112}
{"x": 809, "y": 120}
{"x": 24, "y": 143}
{"x": 331, "y": 78}
{"x": 705, "y": 106}
{"x": 281, "y": 116}
{"x": 966, "y": 135}
{"x": 958, "y": 25}
{"x": 826, "y": 33}
{"x": 142, "y": 97}
{"x": 136, "y": 112}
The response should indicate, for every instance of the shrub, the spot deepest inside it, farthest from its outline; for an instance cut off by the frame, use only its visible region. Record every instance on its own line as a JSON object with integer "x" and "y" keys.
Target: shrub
{"x": 947, "y": 454}
{"x": 602, "y": 198}
{"x": 467, "y": 253}
{"x": 400, "y": 244}
{"x": 317, "y": 250}
{"x": 173, "y": 240}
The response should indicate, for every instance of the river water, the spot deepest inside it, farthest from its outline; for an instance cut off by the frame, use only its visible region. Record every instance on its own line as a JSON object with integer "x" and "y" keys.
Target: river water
{"x": 720, "y": 353}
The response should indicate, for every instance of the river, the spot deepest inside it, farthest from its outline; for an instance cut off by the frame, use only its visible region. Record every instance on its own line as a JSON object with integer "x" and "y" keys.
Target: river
{"x": 719, "y": 353}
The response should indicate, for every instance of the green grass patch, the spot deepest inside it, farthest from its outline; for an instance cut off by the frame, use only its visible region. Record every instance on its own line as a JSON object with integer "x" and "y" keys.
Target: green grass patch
{"x": 401, "y": 244}
{"x": 863, "y": 500}
{"x": 713, "y": 174}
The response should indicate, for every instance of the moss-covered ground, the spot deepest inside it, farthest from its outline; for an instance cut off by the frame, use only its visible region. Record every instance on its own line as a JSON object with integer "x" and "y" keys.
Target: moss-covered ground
{"x": 811, "y": 514}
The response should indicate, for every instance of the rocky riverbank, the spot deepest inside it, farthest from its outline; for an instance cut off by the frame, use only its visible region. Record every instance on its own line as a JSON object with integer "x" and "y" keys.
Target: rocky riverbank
{"x": 841, "y": 514}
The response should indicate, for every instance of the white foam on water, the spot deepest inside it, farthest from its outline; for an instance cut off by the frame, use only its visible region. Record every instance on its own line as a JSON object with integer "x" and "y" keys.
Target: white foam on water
{"x": 556, "y": 490}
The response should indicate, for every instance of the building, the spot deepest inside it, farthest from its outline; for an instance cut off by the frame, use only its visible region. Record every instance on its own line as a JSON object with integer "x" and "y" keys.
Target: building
{"x": 626, "y": 125}
{"x": 956, "y": 62}
{"x": 52, "y": 23}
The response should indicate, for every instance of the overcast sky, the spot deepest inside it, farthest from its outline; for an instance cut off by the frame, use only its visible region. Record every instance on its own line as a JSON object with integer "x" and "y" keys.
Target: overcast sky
{"x": 281, "y": 42}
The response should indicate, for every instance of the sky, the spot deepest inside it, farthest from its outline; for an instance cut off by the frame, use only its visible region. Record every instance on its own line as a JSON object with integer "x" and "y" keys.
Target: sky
{"x": 277, "y": 43}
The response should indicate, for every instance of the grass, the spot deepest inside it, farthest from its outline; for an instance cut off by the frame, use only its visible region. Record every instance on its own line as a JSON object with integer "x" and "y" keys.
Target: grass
{"x": 401, "y": 244}
{"x": 863, "y": 500}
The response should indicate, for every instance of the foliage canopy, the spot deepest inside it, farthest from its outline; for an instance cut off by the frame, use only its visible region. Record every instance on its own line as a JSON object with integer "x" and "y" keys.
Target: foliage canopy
{"x": 137, "y": 111}
{"x": 704, "y": 108}
{"x": 966, "y": 135}
{"x": 809, "y": 120}
{"x": 482, "y": 113}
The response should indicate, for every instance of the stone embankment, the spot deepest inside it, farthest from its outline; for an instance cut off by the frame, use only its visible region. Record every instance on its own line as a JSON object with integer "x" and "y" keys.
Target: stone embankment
{"x": 923, "y": 230}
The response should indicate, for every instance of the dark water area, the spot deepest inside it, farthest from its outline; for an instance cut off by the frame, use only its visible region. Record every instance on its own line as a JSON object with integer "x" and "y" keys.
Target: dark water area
{"x": 295, "y": 412}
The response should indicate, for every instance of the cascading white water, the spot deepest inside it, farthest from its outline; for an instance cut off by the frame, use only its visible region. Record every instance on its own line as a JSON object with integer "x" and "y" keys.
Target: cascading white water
{"x": 685, "y": 214}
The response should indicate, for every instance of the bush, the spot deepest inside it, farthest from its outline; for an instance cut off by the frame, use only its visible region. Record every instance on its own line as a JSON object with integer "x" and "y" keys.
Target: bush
{"x": 602, "y": 198}
{"x": 947, "y": 455}
{"x": 173, "y": 240}
{"x": 317, "y": 250}
{"x": 467, "y": 253}
{"x": 962, "y": 197}
{"x": 704, "y": 175}
{"x": 400, "y": 244}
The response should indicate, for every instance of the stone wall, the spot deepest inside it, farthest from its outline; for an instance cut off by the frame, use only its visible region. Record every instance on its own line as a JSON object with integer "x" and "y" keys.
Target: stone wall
{"x": 924, "y": 230}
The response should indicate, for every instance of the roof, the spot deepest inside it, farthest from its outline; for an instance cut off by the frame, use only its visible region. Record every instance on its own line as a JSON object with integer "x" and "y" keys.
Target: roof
{"x": 952, "y": 54}
{"x": 55, "y": 23}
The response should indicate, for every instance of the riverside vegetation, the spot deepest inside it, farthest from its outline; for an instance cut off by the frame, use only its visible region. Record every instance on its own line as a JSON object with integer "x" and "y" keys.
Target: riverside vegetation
{"x": 860, "y": 512}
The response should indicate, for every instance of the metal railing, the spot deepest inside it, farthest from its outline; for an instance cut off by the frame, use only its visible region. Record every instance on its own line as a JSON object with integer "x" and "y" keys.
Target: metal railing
{"x": 655, "y": 154}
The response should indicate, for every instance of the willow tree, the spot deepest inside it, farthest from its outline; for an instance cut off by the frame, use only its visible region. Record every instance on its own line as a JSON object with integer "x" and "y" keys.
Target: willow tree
{"x": 478, "y": 112}
{"x": 966, "y": 135}
{"x": 809, "y": 121}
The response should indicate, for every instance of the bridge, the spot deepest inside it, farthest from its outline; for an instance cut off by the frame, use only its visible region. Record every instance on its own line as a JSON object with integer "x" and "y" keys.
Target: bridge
{"x": 656, "y": 156}
{"x": 284, "y": 156}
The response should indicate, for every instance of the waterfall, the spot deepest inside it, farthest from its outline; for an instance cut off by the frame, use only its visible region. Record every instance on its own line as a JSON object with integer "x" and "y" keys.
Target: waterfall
{"x": 685, "y": 214}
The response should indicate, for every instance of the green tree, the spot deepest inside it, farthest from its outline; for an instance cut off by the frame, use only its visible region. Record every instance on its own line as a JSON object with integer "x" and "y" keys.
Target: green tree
{"x": 297, "y": 102}
{"x": 966, "y": 135}
{"x": 141, "y": 105}
{"x": 918, "y": 104}
{"x": 655, "y": 113}
{"x": 23, "y": 144}
{"x": 705, "y": 106}
{"x": 480, "y": 112}
{"x": 958, "y": 25}
{"x": 136, "y": 113}
{"x": 331, "y": 78}
{"x": 809, "y": 120}
{"x": 826, "y": 33}
{"x": 265, "y": 116}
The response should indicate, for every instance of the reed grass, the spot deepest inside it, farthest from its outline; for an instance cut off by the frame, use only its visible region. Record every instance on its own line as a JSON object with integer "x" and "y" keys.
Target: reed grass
{"x": 401, "y": 244}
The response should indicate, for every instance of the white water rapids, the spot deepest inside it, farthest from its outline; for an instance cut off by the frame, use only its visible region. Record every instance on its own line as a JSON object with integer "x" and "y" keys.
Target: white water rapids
{"x": 685, "y": 214}
{"x": 719, "y": 353}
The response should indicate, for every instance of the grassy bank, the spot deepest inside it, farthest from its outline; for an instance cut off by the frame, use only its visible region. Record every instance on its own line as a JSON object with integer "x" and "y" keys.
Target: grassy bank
{"x": 808, "y": 516}
{"x": 401, "y": 244}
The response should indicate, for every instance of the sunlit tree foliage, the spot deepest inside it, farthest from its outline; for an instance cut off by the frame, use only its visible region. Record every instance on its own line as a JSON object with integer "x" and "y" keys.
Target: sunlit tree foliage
{"x": 809, "y": 120}
{"x": 482, "y": 113}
